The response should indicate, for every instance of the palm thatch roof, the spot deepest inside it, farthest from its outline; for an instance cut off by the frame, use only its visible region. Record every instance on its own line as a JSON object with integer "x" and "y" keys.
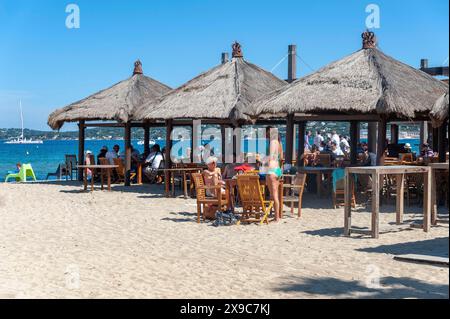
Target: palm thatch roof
{"x": 220, "y": 93}
{"x": 116, "y": 103}
{"x": 439, "y": 113}
{"x": 367, "y": 81}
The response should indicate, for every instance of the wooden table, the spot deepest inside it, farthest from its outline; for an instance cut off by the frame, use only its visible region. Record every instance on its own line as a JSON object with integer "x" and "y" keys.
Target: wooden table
{"x": 318, "y": 171}
{"x": 94, "y": 168}
{"x": 377, "y": 173}
{"x": 184, "y": 171}
{"x": 231, "y": 184}
{"x": 435, "y": 167}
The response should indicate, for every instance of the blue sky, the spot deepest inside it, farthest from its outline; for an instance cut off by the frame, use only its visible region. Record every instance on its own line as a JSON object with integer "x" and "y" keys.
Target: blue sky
{"x": 49, "y": 66}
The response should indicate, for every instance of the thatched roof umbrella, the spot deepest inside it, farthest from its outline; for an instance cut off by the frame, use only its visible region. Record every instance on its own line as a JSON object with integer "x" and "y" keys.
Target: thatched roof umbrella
{"x": 116, "y": 103}
{"x": 223, "y": 92}
{"x": 439, "y": 113}
{"x": 366, "y": 82}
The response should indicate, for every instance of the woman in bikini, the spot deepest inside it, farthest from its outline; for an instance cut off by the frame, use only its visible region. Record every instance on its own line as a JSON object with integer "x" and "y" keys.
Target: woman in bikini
{"x": 272, "y": 165}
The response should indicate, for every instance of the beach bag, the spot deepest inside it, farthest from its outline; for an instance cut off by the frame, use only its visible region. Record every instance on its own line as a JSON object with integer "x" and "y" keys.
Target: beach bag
{"x": 227, "y": 218}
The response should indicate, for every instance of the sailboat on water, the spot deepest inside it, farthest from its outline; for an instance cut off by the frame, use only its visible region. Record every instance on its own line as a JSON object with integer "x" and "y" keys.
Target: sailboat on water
{"x": 22, "y": 139}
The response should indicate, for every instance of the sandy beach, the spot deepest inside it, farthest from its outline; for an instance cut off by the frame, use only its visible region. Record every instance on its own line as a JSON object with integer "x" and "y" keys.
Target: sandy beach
{"x": 59, "y": 242}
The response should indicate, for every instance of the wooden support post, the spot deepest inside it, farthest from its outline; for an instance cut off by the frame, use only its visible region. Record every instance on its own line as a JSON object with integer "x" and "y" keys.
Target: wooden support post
{"x": 443, "y": 143}
{"x": 81, "y": 137}
{"x": 289, "y": 139}
{"x": 394, "y": 133}
{"x": 427, "y": 178}
{"x": 354, "y": 139}
{"x": 168, "y": 161}
{"x": 222, "y": 133}
{"x": 375, "y": 203}
{"x": 301, "y": 143}
{"x": 146, "y": 138}
{"x": 381, "y": 140}
{"x": 400, "y": 197}
{"x": 127, "y": 165}
{"x": 435, "y": 138}
{"x": 348, "y": 204}
{"x": 237, "y": 144}
{"x": 423, "y": 132}
{"x": 372, "y": 137}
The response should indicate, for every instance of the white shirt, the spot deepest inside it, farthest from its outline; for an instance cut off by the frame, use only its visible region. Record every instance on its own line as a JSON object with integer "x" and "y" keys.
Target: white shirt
{"x": 338, "y": 152}
{"x": 318, "y": 139}
{"x": 344, "y": 145}
{"x": 335, "y": 138}
{"x": 155, "y": 159}
{"x": 110, "y": 156}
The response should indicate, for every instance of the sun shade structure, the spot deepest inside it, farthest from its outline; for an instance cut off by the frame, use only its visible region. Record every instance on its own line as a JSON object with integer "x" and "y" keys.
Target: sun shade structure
{"x": 366, "y": 82}
{"x": 439, "y": 113}
{"x": 116, "y": 103}
{"x": 223, "y": 92}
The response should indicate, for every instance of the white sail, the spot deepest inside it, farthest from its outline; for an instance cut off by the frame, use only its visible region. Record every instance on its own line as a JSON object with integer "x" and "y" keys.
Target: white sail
{"x": 22, "y": 139}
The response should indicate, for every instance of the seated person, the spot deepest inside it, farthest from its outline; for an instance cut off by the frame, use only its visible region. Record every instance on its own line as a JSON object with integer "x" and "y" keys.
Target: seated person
{"x": 426, "y": 151}
{"x": 102, "y": 154}
{"x": 213, "y": 177}
{"x": 114, "y": 153}
{"x": 16, "y": 170}
{"x": 152, "y": 163}
{"x": 335, "y": 150}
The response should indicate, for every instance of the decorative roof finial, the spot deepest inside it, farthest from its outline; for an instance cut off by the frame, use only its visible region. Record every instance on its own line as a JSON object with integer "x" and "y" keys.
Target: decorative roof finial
{"x": 138, "y": 68}
{"x": 237, "y": 51}
{"x": 369, "y": 40}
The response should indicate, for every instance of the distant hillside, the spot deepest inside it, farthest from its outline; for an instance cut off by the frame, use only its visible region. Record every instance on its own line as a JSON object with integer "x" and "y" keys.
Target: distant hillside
{"x": 102, "y": 133}
{"x": 107, "y": 133}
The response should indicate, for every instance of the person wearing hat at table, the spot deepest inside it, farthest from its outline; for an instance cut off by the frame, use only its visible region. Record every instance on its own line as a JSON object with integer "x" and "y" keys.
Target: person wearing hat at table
{"x": 102, "y": 153}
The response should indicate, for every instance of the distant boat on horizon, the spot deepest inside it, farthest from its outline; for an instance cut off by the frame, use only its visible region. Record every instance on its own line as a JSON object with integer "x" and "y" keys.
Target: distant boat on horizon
{"x": 22, "y": 139}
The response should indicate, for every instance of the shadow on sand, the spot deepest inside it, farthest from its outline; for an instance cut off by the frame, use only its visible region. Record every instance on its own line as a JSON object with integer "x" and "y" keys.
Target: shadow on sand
{"x": 390, "y": 287}
{"x": 434, "y": 247}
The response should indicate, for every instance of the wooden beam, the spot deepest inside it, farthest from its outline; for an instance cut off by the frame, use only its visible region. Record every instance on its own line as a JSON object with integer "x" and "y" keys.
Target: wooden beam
{"x": 127, "y": 139}
{"x": 337, "y": 117}
{"x": 354, "y": 139}
{"x": 289, "y": 139}
{"x": 147, "y": 138}
{"x": 372, "y": 137}
{"x": 394, "y": 133}
{"x": 381, "y": 141}
{"x": 301, "y": 143}
{"x": 81, "y": 137}
{"x": 168, "y": 161}
{"x": 443, "y": 142}
{"x": 423, "y": 132}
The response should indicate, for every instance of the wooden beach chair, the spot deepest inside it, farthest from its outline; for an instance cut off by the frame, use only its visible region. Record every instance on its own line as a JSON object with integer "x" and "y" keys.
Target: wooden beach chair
{"x": 254, "y": 207}
{"x": 121, "y": 170}
{"x": 71, "y": 164}
{"x": 203, "y": 201}
{"x": 324, "y": 160}
{"x": 61, "y": 171}
{"x": 295, "y": 189}
{"x": 405, "y": 158}
{"x": 338, "y": 177}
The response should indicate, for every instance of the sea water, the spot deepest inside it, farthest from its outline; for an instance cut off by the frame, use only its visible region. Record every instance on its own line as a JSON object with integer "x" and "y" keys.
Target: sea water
{"x": 46, "y": 157}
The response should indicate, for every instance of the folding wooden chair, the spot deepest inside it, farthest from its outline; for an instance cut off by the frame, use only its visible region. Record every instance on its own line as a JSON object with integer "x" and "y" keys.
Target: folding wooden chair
{"x": 220, "y": 200}
{"x": 254, "y": 207}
